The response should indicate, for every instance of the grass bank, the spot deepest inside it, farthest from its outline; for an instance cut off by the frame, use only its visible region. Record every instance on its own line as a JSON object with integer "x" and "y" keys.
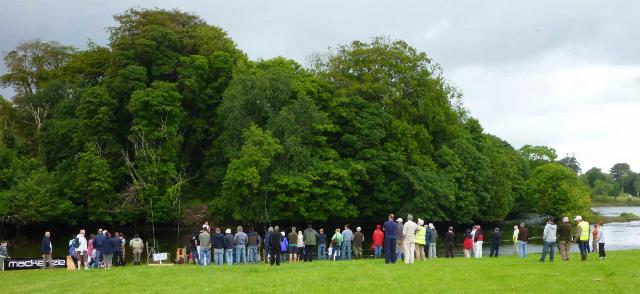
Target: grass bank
{"x": 617, "y": 274}
{"x": 615, "y": 201}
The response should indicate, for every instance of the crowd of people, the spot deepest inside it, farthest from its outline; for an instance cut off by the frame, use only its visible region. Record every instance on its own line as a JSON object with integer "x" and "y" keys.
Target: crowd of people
{"x": 100, "y": 250}
{"x": 396, "y": 239}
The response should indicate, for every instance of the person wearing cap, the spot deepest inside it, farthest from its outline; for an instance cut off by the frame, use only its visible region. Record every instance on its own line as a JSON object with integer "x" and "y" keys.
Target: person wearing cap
{"x": 564, "y": 238}
{"x": 549, "y": 239}
{"x": 377, "y": 241}
{"x": 433, "y": 240}
{"x": 514, "y": 238}
{"x": 388, "y": 238}
{"x": 420, "y": 240}
{"x": 358, "y": 239}
{"x": 523, "y": 238}
{"x": 310, "y": 238}
{"x": 582, "y": 236}
{"x": 495, "y": 243}
{"x": 228, "y": 246}
{"x": 409, "y": 230}
{"x": 399, "y": 240}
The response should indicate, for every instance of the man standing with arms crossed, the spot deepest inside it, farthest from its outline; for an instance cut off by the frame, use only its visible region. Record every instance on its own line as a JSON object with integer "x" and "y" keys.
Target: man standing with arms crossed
{"x": 46, "y": 249}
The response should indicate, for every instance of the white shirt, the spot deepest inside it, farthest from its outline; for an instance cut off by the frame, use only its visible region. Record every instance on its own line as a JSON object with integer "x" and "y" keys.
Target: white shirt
{"x": 602, "y": 237}
{"x": 83, "y": 243}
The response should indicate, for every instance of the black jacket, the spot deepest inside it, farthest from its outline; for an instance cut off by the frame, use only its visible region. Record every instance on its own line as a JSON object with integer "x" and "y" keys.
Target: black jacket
{"x": 116, "y": 242}
{"x": 46, "y": 245}
{"x": 495, "y": 238}
{"x": 228, "y": 241}
{"x": 274, "y": 239}
{"x": 218, "y": 241}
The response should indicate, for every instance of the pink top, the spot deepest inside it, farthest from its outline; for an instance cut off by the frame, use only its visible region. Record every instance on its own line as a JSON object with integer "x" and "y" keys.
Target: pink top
{"x": 90, "y": 246}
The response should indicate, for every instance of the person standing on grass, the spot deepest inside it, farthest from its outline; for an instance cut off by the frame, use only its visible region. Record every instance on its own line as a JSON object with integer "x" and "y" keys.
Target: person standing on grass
{"x": 427, "y": 241}
{"x": 300, "y": 249}
{"x": 389, "y": 237}
{"x": 253, "y": 240}
{"x": 582, "y": 236}
{"x": 358, "y": 239}
{"x": 523, "y": 238}
{"x": 240, "y": 241}
{"x": 409, "y": 231}
{"x": 399, "y": 239}
{"x": 473, "y": 236}
{"x": 549, "y": 239}
{"x": 116, "y": 242}
{"x": 123, "y": 250}
{"x": 478, "y": 240}
{"x": 310, "y": 241}
{"x": 228, "y": 247}
{"x": 107, "y": 250}
{"x": 193, "y": 244}
{"x": 46, "y": 248}
{"x": 267, "y": 244}
{"x": 564, "y": 238}
{"x": 514, "y": 238}
{"x": 433, "y": 240}
{"x": 81, "y": 250}
{"x": 284, "y": 246}
{"x": 495, "y": 242}
{"x": 377, "y": 241}
{"x": 137, "y": 245}
{"x": 98, "y": 242}
{"x": 420, "y": 240}
{"x": 322, "y": 245}
{"x": 602, "y": 239}
{"x": 274, "y": 245}
{"x": 217, "y": 242}
{"x": 449, "y": 240}
{"x": 347, "y": 238}
{"x": 594, "y": 238}
{"x": 293, "y": 245}
{"x": 204, "y": 239}
{"x": 467, "y": 244}
{"x": 336, "y": 244}
{"x": 90, "y": 251}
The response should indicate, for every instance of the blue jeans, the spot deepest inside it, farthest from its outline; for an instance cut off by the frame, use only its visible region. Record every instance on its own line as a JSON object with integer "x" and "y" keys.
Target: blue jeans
{"x": 228, "y": 254}
{"x": 252, "y": 254}
{"x": 390, "y": 250}
{"x": 523, "y": 249}
{"x": 346, "y": 250}
{"x": 267, "y": 251}
{"x": 96, "y": 263}
{"x": 218, "y": 256}
{"x": 546, "y": 247}
{"x": 241, "y": 254}
{"x": 336, "y": 252}
{"x": 377, "y": 251}
{"x": 583, "y": 245}
{"x": 205, "y": 255}
{"x": 322, "y": 251}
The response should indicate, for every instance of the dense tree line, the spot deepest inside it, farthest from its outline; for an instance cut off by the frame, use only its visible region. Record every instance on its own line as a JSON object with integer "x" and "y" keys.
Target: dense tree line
{"x": 172, "y": 114}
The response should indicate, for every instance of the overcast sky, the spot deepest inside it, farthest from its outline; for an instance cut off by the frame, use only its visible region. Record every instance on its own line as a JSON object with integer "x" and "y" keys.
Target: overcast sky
{"x": 560, "y": 73}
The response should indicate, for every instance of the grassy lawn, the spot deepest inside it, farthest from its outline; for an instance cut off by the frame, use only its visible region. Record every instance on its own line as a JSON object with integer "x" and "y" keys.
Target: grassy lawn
{"x": 617, "y": 274}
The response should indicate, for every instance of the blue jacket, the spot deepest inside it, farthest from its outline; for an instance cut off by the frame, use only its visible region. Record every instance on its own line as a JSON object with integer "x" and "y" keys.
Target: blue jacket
{"x": 390, "y": 229}
{"x": 98, "y": 241}
{"x": 46, "y": 245}
{"x": 107, "y": 246}
{"x": 116, "y": 242}
{"x": 428, "y": 237}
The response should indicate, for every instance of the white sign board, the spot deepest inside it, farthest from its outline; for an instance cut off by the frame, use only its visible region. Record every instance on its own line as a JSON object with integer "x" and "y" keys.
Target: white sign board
{"x": 160, "y": 257}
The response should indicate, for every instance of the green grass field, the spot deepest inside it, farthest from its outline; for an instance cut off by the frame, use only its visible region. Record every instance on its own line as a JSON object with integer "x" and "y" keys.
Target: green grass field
{"x": 619, "y": 273}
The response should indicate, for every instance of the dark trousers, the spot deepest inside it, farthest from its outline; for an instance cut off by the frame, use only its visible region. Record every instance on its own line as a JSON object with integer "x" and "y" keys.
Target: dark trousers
{"x": 390, "y": 250}
{"x": 275, "y": 255}
{"x": 448, "y": 250}
{"x": 426, "y": 250}
{"x": 117, "y": 258}
{"x": 601, "y": 252}
{"x": 583, "y": 249}
{"x": 309, "y": 250}
{"x": 266, "y": 252}
{"x": 494, "y": 250}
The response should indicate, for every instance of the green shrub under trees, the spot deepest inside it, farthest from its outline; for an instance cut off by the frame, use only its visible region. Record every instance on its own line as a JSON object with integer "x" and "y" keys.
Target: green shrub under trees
{"x": 172, "y": 111}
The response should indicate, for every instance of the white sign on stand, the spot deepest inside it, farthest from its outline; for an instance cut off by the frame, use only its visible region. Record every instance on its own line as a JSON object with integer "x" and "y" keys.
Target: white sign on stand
{"x": 160, "y": 257}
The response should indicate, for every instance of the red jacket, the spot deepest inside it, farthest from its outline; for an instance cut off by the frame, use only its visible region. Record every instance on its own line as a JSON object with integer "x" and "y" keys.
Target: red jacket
{"x": 468, "y": 242}
{"x": 378, "y": 237}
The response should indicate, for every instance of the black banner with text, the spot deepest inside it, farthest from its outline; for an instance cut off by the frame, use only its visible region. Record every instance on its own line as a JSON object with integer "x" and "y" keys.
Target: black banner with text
{"x": 32, "y": 263}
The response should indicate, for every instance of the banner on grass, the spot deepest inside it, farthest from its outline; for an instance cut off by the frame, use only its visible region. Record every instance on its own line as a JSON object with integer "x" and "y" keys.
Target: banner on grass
{"x": 32, "y": 263}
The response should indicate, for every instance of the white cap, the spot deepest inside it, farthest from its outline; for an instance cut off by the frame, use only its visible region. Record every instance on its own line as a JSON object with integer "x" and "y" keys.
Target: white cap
{"x": 227, "y": 231}
{"x": 399, "y": 220}
{"x": 358, "y": 229}
{"x": 578, "y": 218}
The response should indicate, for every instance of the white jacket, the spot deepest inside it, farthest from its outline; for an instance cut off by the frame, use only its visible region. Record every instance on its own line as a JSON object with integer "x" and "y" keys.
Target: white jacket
{"x": 409, "y": 231}
{"x": 83, "y": 243}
